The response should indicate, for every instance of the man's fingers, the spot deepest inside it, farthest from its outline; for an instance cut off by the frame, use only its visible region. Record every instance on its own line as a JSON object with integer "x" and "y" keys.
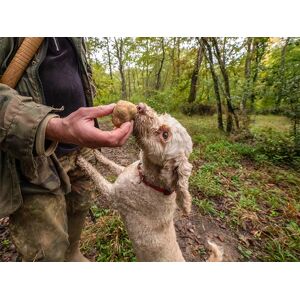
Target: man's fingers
{"x": 105, "y": 110}
{"x": 121, "y": 134}
{"x": 97, "y": 111}
{"x": 99, "y": 138}
{"x": 124, "y": 139}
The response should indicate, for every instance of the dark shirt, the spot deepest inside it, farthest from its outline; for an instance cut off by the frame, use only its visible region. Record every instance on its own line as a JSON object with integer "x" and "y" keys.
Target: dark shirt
{"x": 61, "y": 81}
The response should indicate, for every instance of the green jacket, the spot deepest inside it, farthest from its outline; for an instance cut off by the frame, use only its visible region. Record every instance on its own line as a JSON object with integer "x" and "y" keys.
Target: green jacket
{"x": 24, "y": 167}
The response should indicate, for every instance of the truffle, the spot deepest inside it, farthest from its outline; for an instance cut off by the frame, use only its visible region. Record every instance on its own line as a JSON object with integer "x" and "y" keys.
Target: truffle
{"x": 124, "y": 111}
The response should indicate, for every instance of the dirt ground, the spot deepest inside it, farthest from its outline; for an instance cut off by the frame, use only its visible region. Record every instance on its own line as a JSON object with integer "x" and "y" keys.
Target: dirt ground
{"x": 193, "y": 231}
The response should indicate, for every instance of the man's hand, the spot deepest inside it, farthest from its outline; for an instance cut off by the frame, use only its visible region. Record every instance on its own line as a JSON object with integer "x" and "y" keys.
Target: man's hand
{"x": 78, "y": 128}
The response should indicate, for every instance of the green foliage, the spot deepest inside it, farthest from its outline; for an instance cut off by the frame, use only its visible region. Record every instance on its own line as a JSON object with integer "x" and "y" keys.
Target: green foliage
{"x": 286, "y": 247}
{"x": 239, "y": 184}
{"x": 107, "y": 237}
{"x": 277, "y": 146}
{"x": 205, "y": 206}
{"x": 97, "y": 212}
{"x": 206, "y": 182}
{"x": 113, "y": 243}
{"x": 105, "y": 91}
{"x": 272, "y": 86}
{"x": 246, "y": 253}
{"x": 226, "y": 153}
{"x": 163, "y": 101}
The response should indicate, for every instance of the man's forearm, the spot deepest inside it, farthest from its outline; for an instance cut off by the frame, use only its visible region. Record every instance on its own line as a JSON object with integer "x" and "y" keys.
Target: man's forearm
{"x": 20, "y": 118}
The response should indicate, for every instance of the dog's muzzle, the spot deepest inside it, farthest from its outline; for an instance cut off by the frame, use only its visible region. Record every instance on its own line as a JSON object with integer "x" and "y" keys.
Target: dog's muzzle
{"x": 141, "y": 108}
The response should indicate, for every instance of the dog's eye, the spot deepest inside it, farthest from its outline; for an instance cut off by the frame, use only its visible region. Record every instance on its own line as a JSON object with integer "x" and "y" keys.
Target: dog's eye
{"x": 165, "y": 135}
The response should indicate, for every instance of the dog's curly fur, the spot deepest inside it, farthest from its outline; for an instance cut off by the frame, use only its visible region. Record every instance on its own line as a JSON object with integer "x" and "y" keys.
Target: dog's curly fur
{"x": 148, "y": 214}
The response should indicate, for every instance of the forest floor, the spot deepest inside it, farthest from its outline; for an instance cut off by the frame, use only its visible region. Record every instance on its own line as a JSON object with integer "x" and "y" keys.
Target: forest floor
{"x": 243, "y": 199}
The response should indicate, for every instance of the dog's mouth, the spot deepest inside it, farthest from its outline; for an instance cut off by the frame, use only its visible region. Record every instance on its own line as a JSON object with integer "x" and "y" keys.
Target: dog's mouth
{"x": 143, "y": 121}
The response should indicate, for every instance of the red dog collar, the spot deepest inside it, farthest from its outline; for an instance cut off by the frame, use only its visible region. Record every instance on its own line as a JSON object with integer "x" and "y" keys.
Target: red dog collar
{"x": 157, "y": 188}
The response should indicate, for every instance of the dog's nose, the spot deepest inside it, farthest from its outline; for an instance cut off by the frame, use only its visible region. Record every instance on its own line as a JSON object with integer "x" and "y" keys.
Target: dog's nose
{"x": 141, "y": 108}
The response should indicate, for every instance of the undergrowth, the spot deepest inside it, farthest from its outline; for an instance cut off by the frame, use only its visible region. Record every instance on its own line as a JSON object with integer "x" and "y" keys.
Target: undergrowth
{"x": 252, "y": 186}
{"x": 107, "y": 239}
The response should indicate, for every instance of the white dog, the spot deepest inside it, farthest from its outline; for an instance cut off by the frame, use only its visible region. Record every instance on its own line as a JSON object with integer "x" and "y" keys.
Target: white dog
{"x": 146, "y": 192}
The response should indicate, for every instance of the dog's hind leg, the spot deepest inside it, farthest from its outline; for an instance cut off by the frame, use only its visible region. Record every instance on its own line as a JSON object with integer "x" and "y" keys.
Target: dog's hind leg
{"x": 101, "y": 183}
{"x": 113, "y": 167}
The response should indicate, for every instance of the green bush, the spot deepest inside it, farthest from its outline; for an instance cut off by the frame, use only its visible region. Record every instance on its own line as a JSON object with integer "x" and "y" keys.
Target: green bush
{"x": 277, "y": 146}
{"x": 163, "y": 101}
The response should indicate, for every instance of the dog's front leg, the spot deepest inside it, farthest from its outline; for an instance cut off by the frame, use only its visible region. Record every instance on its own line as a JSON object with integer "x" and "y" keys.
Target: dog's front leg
{"x": 113, "y": 167}
{"x": 101, "y": 183}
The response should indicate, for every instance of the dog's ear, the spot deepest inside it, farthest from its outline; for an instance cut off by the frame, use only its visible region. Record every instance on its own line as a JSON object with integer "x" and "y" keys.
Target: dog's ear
{"x": 183, "y": 197}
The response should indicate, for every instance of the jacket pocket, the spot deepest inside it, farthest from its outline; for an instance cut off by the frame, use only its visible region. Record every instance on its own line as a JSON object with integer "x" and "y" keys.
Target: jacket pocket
{"x": 10, "y": 193}
{"x": 45, "y": 174}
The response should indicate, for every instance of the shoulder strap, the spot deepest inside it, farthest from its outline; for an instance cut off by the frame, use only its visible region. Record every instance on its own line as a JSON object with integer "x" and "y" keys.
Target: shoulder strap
{"x": 21, "y": 60}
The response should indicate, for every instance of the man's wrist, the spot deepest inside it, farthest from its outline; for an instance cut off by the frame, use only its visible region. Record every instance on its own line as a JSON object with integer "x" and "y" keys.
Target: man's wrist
{"x": 40, "y": 139}
{"x": 53, "y": 130}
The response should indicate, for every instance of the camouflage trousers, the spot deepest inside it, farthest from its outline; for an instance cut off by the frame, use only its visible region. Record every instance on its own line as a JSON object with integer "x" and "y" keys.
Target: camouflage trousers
{"x": 39, "y": 228}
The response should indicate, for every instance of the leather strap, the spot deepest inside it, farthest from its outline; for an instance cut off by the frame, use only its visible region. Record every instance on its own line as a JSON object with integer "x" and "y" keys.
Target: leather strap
{"x": 21, "y": 60}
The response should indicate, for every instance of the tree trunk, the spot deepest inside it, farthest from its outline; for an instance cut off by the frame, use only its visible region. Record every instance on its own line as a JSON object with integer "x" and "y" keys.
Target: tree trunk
{"x": 247, "y": 76}
{"x": 134, "y": 80}
{"x": 252, "y": 94}
{"x": 119, "y": 53}
{"x": 129, "y": 83}
{"x": 173, "y": 60}
{"x": 282, "y": 75}
{"x": 143, "y": 80}
{"x": 259, "y": 46}
{"x": 147, "y": 67}
{"x": 109, "y": 57}
{"x": 195, "y": 74}
{"x": 158, "y": 77}
{"x": 230, "y": 112}
{"x": 209, "y": 58}
{"x": 178, "y": 57}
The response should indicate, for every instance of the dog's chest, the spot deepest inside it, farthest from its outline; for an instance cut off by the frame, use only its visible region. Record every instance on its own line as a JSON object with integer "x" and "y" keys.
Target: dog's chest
{"x": 132, "y": 194}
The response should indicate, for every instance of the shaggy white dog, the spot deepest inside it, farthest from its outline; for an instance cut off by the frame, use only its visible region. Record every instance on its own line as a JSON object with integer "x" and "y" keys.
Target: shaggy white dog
{"x": 146, "y": 192}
